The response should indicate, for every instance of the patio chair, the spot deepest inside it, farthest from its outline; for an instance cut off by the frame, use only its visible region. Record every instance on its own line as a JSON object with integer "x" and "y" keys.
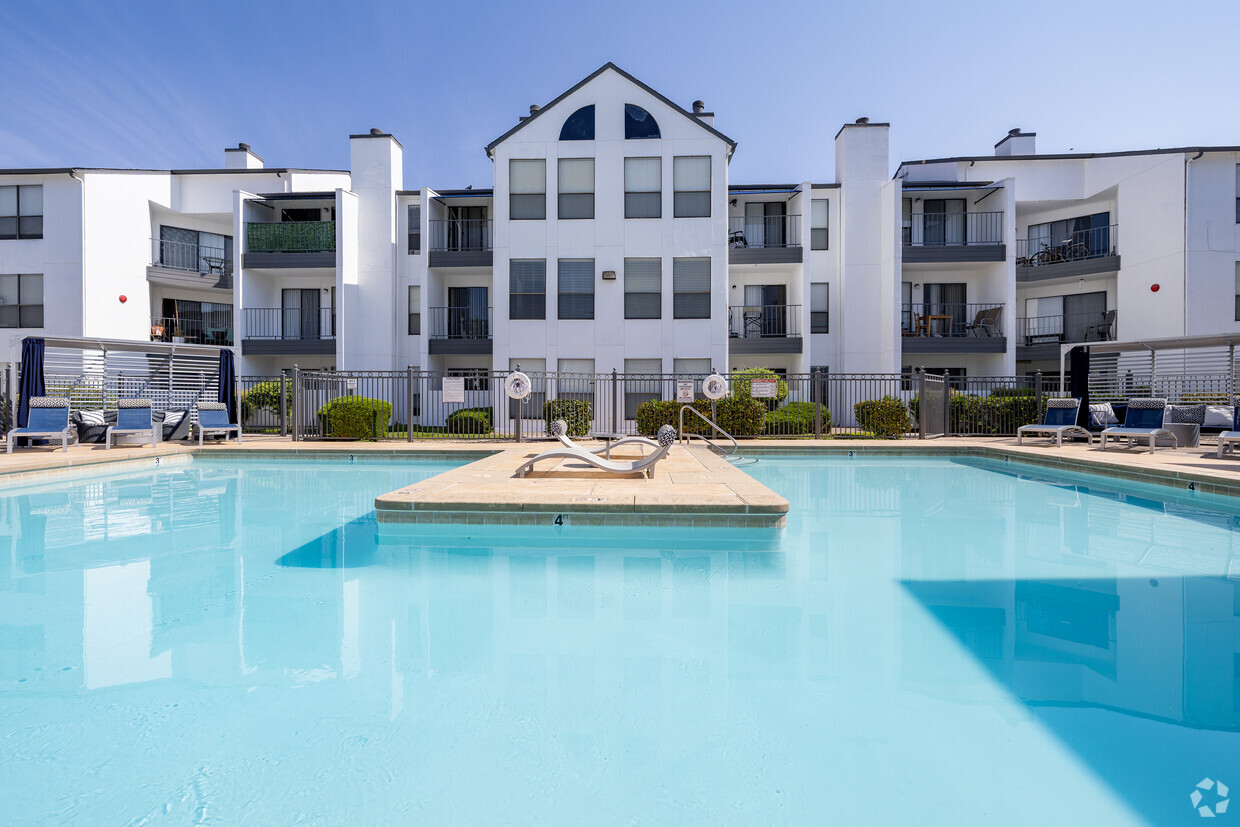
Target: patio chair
{"x": 1060, "y": 419}
{"x": 1228, "y": 440}
{"x": 559, "y": 430}
{"x": 1142, "y": 420}
{"x": 133, "y": 418}
{"x": 1102, "y": 330}
{"x": 986, "y": 321}
{"x": 213, "y": 419}
{"x": 643, "y": 466}
{"x": 49, "y": 419}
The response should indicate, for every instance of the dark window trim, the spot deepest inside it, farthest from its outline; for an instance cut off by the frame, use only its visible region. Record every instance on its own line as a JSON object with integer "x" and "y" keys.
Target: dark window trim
{"x": 22, "y": 307}
{"x": 18, "y": 235}
{"x": 543, "y": 293}
{"x": 710, "y": 184}
{"x": 415, "y": 229}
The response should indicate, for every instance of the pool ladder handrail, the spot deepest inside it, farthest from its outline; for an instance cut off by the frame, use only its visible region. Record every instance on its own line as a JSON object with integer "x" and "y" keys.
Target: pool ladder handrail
{"x": 684, "y": 437}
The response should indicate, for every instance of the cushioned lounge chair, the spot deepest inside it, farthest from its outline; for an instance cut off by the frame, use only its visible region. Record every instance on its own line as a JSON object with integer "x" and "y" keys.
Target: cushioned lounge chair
{"x": 1060, "y": 419}
{"x": 1228, "y": 440}
{"x": 213, "y": 419}
{"x": 644, "y": 466}
{"x": 49, "y": 419}
{"x": 133, "y": 418}
{"x": 1142, "y": 421}
{"x": 559, "y": 430}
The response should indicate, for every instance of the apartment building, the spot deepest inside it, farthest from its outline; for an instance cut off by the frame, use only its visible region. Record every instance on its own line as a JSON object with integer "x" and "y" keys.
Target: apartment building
{"x": 612, "y": 238}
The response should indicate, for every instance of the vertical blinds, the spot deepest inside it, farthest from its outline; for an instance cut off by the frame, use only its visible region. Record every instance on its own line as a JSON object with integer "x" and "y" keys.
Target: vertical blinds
{"x": 527, "y": 275}
{"x": 527, "y": 177}
{"x": 643, "y": 275}
{"x": 691, "y": 275}
{"x": 818, "y": 297}
{"x": 691, "y": 173}
{"x": 576, "y": 175}
{"x": 818, "y": 213}
{"x": 644, "y": 174}
{"x": 576, "y": 275}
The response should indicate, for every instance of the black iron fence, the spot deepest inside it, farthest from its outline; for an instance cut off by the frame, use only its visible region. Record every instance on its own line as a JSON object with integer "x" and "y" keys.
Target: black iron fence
{"x": 1098, "y": 326}
{"x": 761, "y": 231}
{"x": 461, "y": 235}
{"x": 290, "y": 322}
{"x": 952, "y": 229}
{"x": 952, "y": 319}
{"x": 1096, "y": 242}
{"x": 763, "y": 321}
{"x": 460, "y": 322}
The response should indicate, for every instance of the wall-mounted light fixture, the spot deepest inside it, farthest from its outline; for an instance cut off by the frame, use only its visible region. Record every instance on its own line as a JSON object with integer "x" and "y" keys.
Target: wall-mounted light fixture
{"x": 609, "y": 275}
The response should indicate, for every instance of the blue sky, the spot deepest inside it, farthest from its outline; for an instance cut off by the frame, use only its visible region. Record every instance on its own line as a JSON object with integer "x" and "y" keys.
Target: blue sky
{"x": 169, "y": 84}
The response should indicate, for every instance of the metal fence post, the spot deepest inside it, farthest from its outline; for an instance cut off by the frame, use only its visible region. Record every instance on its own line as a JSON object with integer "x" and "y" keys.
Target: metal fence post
{"x": 409, "y": 404}
{"x": 283, "y": 403}
{"x": 615, "y": 402}
{"x": 296, "y": 404}
{"x": 922, "y": 403}
{"x": 1037, "y": 395}
{"x": 947, "y": 404}
{"x": 815, "y": 392}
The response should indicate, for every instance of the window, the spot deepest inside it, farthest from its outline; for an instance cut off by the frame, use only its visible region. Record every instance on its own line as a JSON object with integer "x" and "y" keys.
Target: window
{"x": 195, "y": 322}
{"x": 527, "y": 190}
{"x": 819, "y": 307}
{"x": 643, "y": 187}
{"x": 199, "y": 252}
{"x": 531, "y": 407}
{"x": 1237, "y": 195}
{"x": 696, "y": 368}
{"x": 527, "y": 288}
{"x": 576, "y": 288}
{"x": 415, "y": 229}
{"x": 1238, "y": 291}
{"x": 576, "y": 380}
{"x": 691, "y": 186}
{"x": 21, "y": 212}
{"x": 303, "y": 214}
{"x": 415, "y": 311}
{"x": 691, "y": 288}
{"x": 643, "y": 288}
{"x": 819, "y": 210}
{"x": 579, "y": 126}
{"x": 643, "y": 379}
{"x": 576, "y": 182}
{"x": 21, "y": 301}
{"x": 1085, "y": 236}
{"x": 638, "y": 123}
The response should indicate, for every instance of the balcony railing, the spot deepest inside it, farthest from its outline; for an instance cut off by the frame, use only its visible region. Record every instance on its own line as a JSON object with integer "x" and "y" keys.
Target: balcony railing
{"x": 290, "y": 323}
{"x": 952, "y": 320}
{"x": 764, "y": 321}
{"x": 764, "y": 231}
{"x": 212, "y": 329}
{"x": 196, "y": 258}
{"x": 1067, "y": 328}
{"x": 1097, "y": 242}
{"x": 461, "y": 236}
{"x": 460, "y": 323}
{"x": 291, "y": 237}
{"x": 952, "y": 229}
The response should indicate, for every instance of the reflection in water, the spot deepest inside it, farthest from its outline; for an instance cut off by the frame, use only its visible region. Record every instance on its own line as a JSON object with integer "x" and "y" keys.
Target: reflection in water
{"x": 352, "y": 545}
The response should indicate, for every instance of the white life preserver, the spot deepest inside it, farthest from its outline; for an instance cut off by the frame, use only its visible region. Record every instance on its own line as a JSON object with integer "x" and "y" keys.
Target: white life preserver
{"x": 714, "y": 386}
{"x": 518, "y": 385}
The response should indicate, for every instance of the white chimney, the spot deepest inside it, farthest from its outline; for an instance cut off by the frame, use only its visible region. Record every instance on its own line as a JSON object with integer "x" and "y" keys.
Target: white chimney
{"x": 241, "y": 157}
{"x": 1016, "y": 143}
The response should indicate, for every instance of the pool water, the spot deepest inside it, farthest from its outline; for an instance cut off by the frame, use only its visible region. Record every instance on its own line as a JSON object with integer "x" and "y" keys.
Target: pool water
{"x": 928, "y": 642}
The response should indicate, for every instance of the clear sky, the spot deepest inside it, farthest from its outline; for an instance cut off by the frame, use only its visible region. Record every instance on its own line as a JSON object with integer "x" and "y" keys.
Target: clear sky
{"x": 170, "y": 84}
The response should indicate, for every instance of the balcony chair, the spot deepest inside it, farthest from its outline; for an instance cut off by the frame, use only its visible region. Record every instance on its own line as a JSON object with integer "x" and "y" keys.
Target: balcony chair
{"x": 643, "y": 466}
{"x": 1060, "y": 419}
{"x": 49, "y": 419}
{"x": 133, "y": 418}
{"x": 559, "y": 430}
{"x": 1103, "y": 329}
{"x": 986, "y": 320}
{"x": 1142, "y": 420}
{"x": 213, "y": 419}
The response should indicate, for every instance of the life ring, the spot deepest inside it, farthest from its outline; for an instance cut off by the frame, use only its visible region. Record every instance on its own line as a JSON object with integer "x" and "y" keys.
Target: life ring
{"x": 714, "y": 386}
{"x": 518, "y": 385}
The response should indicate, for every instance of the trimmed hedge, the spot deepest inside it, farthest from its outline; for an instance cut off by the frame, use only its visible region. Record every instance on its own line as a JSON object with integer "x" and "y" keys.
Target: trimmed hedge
{"x": 577, "y": 413}
{"x": 355, "y": 417}
{"x": 886, "y": 418}
{"x": 737, "y": 416}
{"x": 469, "y": 421}
{"x": 1002, "y": 412}
{"x": 265, "y": 396}
{"x": 795, "y": 419}
{"x": 742, "y": 388}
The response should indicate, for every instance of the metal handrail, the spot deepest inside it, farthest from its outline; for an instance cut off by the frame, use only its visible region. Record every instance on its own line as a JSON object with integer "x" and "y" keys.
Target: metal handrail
{"x": 685, "y": 437}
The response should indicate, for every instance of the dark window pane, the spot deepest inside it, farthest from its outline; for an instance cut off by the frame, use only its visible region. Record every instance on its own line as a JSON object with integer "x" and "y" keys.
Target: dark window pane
{"x": 8, "y": 228}
{"x": 577, "y": 205}
{"x": 691, "y": 306}
{"x": 638, "y": 123}
{"x": 415, "y": 243}
{"x": 31, "y": 227}
{"x": 527, "y": 306}
{"x": 643, "y": 205}
{"x": 8, "y": 315}
{"x": 576, "y": 305}
{"x": 818, "y": 322}
{"x": 415, "y": 324}
{"x": 818, "y": 239}
{"x": 32, "y": 315}
{"x": 692, "y": 205}
{"x": 530, "y": 206}
{"x": 643, "y": 306}
{"x": 579, "y": 126}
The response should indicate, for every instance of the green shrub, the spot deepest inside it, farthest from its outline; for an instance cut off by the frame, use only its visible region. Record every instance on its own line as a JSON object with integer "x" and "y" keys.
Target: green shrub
{"x": 795, "y": 418}
{"x": 1002, "y": 412}
{"x": 355, "y": 417}
{"x": 741, "y": 387}
{"x": 265, "y": 396}
{"x": 737, "y": 416}
{"x": 1004, "y": 393}
{"x": 469, "y": 421}
{"x": 886, "y": 417}
{"x": 577, "y": 413}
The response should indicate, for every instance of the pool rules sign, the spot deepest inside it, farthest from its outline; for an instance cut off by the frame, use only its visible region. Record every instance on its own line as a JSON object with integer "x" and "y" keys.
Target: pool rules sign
{"x": 765, "y": 388}
{"x": 684, "y": 390}
{"x": 453, "y": 389}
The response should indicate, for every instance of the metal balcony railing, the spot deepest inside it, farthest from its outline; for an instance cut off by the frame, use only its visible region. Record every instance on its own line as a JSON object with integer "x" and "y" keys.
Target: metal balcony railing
{"x": 952, "y": 320}
{"x": 764, "y": 321}
{"x": 1067, "y": 328}
{"x": 291, "y": 237}
{"x": 196, "y": 258}
{"x": 461, "y": 236}
{"x": 460, "y": 323}
{"x": 289, "y": 323}
{"x": 952, "y": 229}
{"x": 1097, "y": 242}
{"x": 764, "y": 231}
{"x": 211, "y": 329}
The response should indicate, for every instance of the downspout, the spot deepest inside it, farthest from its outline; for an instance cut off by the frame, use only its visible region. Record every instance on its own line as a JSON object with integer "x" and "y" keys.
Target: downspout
{"x": 82, "y": 280}
{"x": 1188, "y": 168}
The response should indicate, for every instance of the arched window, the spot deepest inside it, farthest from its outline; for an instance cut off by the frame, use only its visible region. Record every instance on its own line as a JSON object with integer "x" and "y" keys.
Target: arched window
{"x": 638, "y": 123}
{"x": 579, "y": 126}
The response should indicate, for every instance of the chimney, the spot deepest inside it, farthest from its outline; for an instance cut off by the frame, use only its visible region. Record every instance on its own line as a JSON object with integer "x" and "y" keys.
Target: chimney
{"x": 241, "y": 157}
{"x": 861, "y": 151}
{"x": 375, "y": 161}
{"x": 1016, "y": 143}
{"x": 534, "y": 108}
{"x": 699, "y": 112}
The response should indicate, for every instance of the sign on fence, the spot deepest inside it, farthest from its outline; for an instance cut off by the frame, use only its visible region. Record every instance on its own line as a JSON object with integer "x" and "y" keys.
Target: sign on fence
{"x": 350, "y": 384}
{"x": 684, "y": 390}
{"x": 765, "y": 388}
{"x": 454, "y": 389}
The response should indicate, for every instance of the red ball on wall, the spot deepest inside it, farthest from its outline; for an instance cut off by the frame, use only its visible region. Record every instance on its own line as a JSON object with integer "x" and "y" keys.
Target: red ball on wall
{"x": 1154, "y": 288}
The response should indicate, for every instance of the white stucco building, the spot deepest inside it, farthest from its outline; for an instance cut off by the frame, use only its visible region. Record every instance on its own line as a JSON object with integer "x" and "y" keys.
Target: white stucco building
{"x": 613, "y": 238}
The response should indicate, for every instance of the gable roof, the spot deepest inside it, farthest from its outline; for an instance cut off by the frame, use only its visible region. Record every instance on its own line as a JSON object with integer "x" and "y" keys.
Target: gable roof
{"x": 731, "y": 143}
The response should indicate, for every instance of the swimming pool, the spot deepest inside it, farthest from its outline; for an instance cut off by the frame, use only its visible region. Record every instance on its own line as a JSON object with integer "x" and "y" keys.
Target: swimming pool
{"x": 929, "y": 641}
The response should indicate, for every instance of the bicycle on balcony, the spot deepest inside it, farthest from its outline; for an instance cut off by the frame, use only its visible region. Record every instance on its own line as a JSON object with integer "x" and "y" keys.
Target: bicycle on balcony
{"x": 1069, "y": 250}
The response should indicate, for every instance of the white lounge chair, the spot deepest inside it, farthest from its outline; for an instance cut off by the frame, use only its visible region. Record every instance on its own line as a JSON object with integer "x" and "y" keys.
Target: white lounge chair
{"x": 133, "y": 418}
{"x": 213, "y": 419}
{"x": 1060, "y": 419}
{"x": 644, "y": 466}
{"x": 49, "y": 419}
{"x": 559, "y": 430}
{"x": 1228, "y": 440}
{"x": 1142, "y": 421}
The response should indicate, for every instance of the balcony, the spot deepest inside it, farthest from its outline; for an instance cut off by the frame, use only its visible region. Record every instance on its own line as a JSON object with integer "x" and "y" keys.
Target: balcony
{"x": 213, "y": 329}
{"x": 185, "y": 264}
{"x": 773, "y": 328}
{"x": 290, "y": 244}
{"x": 281, "y": 331}
{"x": 953, "y": 328}
{"x": 953, "y": 237}
{"x": 1039, "y": 337}
{"x": 461, "y": 243}
{"x": 1081, "y": 253}
{"x": 464, "y": 330}
{"x": 768, "y": 239}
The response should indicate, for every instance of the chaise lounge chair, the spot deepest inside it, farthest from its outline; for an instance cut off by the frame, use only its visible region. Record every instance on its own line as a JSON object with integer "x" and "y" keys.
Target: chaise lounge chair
{"x": 559, "y": 430}
{"x": 644, "y": 466}
{"x": 49, "y": 419}
{"x": 133, "y": 418}
{"x": 1060, "y": 419}
{"x": 1142, "y": 420}
{"x": 213, "y": 419}
{"x": 1228, "y": 440}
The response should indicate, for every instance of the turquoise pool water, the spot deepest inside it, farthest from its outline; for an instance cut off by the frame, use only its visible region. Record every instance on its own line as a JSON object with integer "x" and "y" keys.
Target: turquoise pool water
{"x": 928, "y": 642}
